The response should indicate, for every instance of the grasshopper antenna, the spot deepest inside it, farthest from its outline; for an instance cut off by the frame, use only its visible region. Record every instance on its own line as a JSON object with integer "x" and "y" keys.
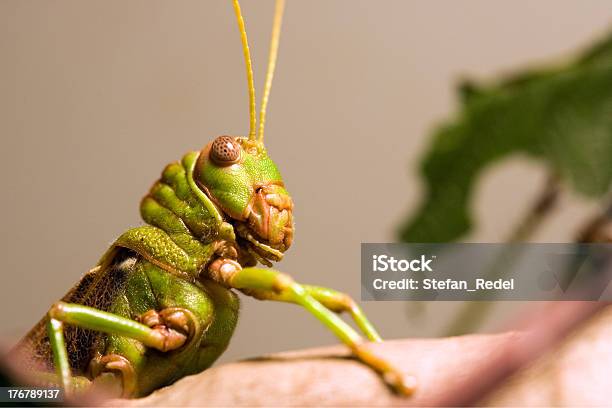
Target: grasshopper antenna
{"x": 249, "y": 71}
{"x": 276, "y": 27}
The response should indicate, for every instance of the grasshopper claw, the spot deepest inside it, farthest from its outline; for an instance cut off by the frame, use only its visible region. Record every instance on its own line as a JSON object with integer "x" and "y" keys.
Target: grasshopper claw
{"x": 400, "y": 383}
{"x": 118, "y": 365}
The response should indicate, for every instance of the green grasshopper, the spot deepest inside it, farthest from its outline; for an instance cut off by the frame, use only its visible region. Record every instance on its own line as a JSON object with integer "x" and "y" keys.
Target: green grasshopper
{"x": 159, "y": 305}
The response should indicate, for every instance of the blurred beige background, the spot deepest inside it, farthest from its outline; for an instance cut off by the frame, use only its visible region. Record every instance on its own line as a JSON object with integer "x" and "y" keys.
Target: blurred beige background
{"x": 97, "y": 96}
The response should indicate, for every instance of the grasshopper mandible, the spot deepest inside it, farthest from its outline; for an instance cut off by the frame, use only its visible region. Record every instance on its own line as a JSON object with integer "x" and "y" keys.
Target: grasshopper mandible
{"x": 159, "y": 305}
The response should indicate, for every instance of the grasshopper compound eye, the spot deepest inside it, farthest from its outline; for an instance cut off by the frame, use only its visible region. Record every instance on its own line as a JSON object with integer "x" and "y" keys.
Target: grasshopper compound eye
{"x": 225, "y": 150}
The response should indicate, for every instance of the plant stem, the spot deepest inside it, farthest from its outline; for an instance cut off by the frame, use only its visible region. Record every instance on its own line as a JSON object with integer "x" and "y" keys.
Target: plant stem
{"x": 473, "y": 313}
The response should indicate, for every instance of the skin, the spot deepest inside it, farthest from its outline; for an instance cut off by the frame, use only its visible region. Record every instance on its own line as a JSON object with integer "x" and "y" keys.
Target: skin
{"x": 209, "y": 222}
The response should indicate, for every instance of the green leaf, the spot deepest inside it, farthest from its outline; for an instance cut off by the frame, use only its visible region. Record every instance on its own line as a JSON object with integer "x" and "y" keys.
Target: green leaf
{"x": 561, "y": 116}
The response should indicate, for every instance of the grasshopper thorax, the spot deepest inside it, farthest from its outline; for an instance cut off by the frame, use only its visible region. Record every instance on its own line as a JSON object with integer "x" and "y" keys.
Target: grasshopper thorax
{"x": 244, "y": 183}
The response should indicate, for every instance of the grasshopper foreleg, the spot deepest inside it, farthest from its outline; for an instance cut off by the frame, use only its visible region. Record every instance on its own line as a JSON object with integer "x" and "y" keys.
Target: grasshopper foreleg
{"x": 274, "y": 285}
{"x": 340, "y": 302}
{"x": 333, "y": 300}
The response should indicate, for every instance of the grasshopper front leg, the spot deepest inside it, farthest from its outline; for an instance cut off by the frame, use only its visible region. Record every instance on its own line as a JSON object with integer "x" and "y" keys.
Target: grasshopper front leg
{"x": 333, "y": 300}
{"x": 273, "y": 285}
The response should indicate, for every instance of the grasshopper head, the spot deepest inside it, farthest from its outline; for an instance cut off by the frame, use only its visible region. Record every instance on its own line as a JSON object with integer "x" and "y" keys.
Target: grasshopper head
{"x": 240, "y": 178}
